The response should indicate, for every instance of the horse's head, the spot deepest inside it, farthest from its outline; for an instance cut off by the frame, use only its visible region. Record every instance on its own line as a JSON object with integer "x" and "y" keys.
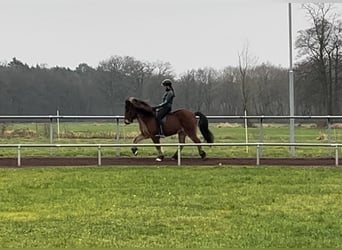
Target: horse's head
{"x": 130, "y": 111}
{"x": 133, "y": 107}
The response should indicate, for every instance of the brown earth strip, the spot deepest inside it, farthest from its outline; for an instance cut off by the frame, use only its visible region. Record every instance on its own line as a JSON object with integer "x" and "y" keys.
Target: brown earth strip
{"x": 125, "y": 161}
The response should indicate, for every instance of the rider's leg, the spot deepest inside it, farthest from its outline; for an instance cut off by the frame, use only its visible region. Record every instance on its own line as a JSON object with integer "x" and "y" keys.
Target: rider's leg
{"x": 160, "y": 132}
{"x": 160, "y": 115}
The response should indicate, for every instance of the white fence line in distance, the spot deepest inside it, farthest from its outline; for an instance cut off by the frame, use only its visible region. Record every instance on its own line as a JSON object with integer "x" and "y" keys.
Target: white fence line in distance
{"x": 335, "y": 146}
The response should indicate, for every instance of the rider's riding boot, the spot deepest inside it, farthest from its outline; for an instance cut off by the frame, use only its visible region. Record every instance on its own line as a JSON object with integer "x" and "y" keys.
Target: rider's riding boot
{"x": 161, "y": 133}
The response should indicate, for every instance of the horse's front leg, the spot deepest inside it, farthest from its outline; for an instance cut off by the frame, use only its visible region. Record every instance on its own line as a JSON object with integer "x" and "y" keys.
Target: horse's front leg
{"x": 136, "y": 140}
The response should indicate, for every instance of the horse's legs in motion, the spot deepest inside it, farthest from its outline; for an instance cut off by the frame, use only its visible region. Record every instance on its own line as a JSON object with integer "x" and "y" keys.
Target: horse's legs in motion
{"x": 181, "y": 139}
{"x": 141, "y": 137}
{"x": 137, "y": 139}
{"x": 195, "y": 139}
{"x": 160, "y": 156}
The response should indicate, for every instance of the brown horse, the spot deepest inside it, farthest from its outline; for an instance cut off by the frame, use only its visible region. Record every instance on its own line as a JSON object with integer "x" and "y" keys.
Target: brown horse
{"x": 182, "y": 122}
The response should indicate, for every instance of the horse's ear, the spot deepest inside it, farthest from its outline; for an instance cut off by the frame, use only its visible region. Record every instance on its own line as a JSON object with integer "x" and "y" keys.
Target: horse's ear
{"x": 134, "y": 101}
{"x": 129, "y": 101}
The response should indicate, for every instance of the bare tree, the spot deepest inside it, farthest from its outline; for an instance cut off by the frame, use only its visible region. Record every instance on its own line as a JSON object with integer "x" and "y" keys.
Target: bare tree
{"x": 269, "y": 88}
{"x": 229, "y": 94}
{"x": 246, "y": 66}
{"x": 320, "y": 46}
{"x": 187, "y": 83}
{"x": 163, "y": 69}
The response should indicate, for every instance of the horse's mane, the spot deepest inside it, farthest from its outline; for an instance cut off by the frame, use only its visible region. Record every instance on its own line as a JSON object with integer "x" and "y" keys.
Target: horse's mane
{"x": 141, "y": 106}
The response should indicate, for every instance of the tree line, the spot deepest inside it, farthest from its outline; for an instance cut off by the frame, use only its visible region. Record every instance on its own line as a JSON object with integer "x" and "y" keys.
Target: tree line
{"x": 260, "y": 89}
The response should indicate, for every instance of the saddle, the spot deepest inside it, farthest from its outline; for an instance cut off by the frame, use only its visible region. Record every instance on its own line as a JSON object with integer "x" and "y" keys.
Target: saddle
{"x": 164, "y": 118}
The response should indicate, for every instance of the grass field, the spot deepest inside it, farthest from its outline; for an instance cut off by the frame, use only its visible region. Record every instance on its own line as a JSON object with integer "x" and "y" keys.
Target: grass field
{"x": 97, "y": 132}
{"x": 171, "y": 207}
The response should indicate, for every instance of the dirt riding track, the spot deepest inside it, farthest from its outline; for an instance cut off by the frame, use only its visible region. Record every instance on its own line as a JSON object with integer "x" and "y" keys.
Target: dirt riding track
{"x": 45, "y": 162}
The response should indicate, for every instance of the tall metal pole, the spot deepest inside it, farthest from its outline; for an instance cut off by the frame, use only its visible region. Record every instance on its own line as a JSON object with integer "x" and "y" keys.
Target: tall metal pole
{"x": 291, "y": 89}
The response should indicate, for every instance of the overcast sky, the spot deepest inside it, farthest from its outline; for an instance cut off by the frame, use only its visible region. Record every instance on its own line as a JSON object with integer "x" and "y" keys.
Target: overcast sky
{"x": 189, "y": 34}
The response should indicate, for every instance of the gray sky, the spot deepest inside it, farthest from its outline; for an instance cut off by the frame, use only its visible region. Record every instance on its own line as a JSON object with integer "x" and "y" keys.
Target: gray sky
{"x": 187, "y": 33}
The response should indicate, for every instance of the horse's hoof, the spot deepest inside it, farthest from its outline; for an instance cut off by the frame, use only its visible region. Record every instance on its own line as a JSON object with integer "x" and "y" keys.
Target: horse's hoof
{"x": 203, "y": 155}
{"x": 135, "y": 151}
{"x": 160, "y": 158}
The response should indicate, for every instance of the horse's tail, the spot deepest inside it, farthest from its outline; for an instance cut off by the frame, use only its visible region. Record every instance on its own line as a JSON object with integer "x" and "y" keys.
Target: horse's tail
{"x": 203, "y": 125}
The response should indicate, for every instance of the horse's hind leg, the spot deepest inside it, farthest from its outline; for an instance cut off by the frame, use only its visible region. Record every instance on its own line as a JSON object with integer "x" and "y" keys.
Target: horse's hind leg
{"x": 181, "y": 139}
{"x": 160, "y": 156}
{"x": 137, "y": 139}
{"x": 195, "y": 139}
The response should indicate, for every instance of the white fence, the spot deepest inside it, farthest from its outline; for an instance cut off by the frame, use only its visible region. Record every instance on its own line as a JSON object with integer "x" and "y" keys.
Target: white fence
{"x": 334, "y": 146}
{"x": 56, "y": 119}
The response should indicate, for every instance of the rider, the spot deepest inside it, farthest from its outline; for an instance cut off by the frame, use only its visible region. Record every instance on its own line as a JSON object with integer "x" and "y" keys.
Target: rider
{"x": 165, "y": 106}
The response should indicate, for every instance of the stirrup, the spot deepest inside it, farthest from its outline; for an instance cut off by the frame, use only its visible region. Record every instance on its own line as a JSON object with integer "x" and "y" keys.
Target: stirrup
{"x": 160, "y": 135}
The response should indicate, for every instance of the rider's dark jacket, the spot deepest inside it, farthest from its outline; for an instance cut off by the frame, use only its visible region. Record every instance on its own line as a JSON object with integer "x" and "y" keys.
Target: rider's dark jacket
{"x": 167, "y": 100}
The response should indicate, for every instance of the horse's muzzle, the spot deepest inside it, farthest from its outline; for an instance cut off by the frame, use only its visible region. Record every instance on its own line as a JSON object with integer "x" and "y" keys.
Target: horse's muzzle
{"x": 127, "y": 121}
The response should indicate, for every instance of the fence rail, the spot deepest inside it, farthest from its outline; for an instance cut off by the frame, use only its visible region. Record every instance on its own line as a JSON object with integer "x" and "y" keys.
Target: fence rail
{"x": 121, "y": 117}
{"x": 334, "y": 146}
{"x": 117, "y": 118}
{"x": 56, "y": 118}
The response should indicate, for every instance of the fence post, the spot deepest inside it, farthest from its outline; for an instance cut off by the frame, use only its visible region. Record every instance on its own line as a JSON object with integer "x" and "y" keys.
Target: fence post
{"x": 329, "y": 130}
{"x": 336, "y": 155}
{"x": 261, "y": 134}
{"x": 51, "y": 130}
{"x": 329, "y": 134}
{"x": 117, "y": 136}
{"x": 246, "y": 131}
{"x": 258, "y": 155}
{"x": 179, "y": 154}
{"x": 99, "y": 155}
{"x": 19, "y": 156}
{"x": 51, "y": 134}
{"x": 57, "y": 121}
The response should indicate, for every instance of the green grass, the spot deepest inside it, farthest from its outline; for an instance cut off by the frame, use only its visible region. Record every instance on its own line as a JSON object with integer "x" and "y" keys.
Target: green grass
{"x": 106, "y": 132}
{"x": 171, "y": 207}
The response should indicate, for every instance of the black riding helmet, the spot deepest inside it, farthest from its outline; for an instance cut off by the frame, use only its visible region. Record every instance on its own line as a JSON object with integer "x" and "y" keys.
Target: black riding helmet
{"x": 167, "y": 82}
